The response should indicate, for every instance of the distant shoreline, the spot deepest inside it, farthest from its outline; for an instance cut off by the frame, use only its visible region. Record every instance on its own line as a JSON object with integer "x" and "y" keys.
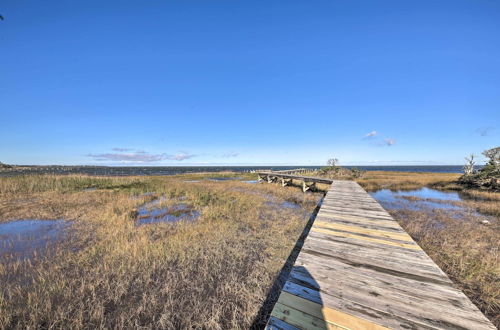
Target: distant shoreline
{"x": 173, "y": 170}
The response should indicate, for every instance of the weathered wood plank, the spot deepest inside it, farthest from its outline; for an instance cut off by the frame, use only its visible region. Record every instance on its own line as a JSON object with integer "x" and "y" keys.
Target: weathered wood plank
{"x": 370, "y": 277}
{"x": 370, "y": 254}
{"x": 337, "y": 233}
{"x": 405, "y": 304}
{"x": 329, "y": 246}
{"x": 360, "y": 310}
{"x": 275, "y": 323}
{"x": 371, "y": 232}
{"x": 331, "y": 316}
{"x": 298, "y": 318}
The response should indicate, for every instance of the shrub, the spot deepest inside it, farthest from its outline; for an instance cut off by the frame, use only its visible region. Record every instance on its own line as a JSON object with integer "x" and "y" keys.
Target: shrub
{"x": 334, "y": 171}
{"x": 488, "y": 177}
{"x": 2, "y": 165}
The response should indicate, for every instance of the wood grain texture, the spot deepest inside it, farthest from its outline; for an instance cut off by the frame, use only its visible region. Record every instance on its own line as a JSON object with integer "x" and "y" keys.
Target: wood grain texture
{"x": 358, "y": 269}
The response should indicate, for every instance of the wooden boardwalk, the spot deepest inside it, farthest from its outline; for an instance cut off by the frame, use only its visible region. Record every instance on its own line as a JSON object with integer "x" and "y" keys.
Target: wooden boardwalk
{"x": 308, "y": 182}
{"x": 358, "y": 269}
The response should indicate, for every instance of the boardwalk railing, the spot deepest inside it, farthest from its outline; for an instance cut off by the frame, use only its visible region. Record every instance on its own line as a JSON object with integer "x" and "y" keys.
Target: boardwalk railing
{"x": 308, "y": 182}
{"x": 293, "y": 171}
{"x": 358, "y": 269}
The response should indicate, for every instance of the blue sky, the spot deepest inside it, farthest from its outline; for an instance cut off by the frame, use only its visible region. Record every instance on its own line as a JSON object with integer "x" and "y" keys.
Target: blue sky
{"x": 248, "y": 82}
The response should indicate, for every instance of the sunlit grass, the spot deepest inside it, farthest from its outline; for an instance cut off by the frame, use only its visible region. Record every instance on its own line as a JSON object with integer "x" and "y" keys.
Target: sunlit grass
{"x": 394, "y": 180}
{"x": 375, "y": 180}
{"x": 212, "y": 273}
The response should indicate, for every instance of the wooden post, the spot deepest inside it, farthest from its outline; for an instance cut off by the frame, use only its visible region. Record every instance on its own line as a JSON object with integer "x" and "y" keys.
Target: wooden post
{"x": 284, "y": 182}
{"x": 313, "y": 186}
{"x": 304, "y": 187}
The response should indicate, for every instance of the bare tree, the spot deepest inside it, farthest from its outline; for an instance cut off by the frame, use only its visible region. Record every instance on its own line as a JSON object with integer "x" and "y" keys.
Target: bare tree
{"x": 469, "y": 166}
{"x": 332, "y": 162}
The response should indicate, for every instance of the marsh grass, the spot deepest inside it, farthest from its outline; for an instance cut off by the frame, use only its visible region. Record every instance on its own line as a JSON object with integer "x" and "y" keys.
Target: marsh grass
{"x": 376, "y": 180}
{"x": 486, "y": 202}
{"x": 212, "y": 273}
{"x": 215, "y": 272}
{"x": 483, "y": 201}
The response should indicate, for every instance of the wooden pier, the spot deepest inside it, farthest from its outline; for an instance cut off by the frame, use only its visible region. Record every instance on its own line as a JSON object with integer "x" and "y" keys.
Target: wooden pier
{"x": 294, "y": 171}
{"x": 358, "y": 269}
{"x": 285, "y": 179}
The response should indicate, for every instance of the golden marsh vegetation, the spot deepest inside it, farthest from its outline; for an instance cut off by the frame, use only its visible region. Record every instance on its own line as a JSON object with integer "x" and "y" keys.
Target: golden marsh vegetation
{"x": 214, "y": 272}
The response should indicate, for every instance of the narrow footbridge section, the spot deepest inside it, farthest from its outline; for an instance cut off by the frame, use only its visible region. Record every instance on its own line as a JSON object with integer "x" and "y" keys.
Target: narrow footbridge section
{"x": 284, "y": 179}
{"x": 358, "y": 269}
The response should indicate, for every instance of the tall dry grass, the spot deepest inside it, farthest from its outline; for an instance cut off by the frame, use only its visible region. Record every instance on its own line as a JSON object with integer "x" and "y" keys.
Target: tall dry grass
{"x": 486, "y": 202}
{"x": 375, "y": 180}
{"x": 395, "y": 180}
{"x": 212, "y": 273}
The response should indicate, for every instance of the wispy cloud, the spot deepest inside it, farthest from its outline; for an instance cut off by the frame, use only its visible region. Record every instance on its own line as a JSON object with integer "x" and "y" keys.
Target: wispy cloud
{"x": 138, "y": 156}
{"x": 485, "y": 131}
{"x": 230, "y": 154}
{"x": 134, "y": 157}
{"x": 389, "y": 142}
{"x": 376, "y": 139}
{"x": 121, "y": 149}
{"x": 180, "y": 156}
{"x": 371, "y": 134}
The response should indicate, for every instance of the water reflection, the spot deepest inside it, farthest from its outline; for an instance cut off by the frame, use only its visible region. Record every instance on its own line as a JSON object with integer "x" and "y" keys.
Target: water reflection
{"x": 148, "y": 214}
{"x": 417, "y": 199}
{"x": 225, "y": 178}
{"x": 22, "y": 238}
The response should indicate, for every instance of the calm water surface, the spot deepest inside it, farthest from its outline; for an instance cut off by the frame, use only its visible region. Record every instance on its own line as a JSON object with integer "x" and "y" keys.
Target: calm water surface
{"x": 172, "y": 170}
{"x": 149, "y": 214}
{"x": 21, "y": 238}
{"x": 418, "y": 199}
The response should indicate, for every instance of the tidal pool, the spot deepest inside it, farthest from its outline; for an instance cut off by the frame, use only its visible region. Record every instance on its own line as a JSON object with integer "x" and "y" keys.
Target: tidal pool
{"x": 147, "y": 214}
{"x": 283, "y": 205}
{"x": 417, "y": 199}
{"x": 290, "y": 205}
{"x": 22, "y": 238}
{"x": 225, "y": 178}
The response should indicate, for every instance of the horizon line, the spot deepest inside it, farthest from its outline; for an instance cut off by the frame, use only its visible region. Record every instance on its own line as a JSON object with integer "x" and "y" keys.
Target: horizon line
{"x": 227, "y": 165}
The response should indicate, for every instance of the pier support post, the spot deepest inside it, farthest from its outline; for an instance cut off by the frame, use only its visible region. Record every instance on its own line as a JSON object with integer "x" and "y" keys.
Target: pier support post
{"x": 285, "y": 182}
{"x": 308, "y": 186}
